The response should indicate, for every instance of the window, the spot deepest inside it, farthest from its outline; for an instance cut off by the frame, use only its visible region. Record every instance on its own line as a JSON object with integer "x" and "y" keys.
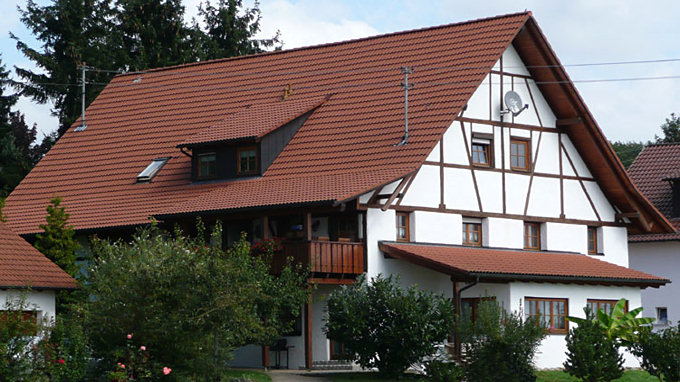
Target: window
{"x": 532, "y": 236}
{"x": 604, "y": 305}
{"x": 206, "y": 166}
{"x": 150, "y": 171}
{"x": 472, "y": 234}
{"x": 403, "y": 227}
{"x": 337, "y": 350}
{"x": 26, "y": 322}
{"x": 470, "y": 306}
{"x": 247, "y": 160}
{"x": 661, "y": 315}
{"x": 592, "y": 240}
{"x": 519, "y": 155}
{"x": 552, "y": 312}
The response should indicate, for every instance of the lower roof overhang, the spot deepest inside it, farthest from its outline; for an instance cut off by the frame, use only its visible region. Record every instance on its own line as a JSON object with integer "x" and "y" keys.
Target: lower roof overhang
{"x": 506, "y": 265}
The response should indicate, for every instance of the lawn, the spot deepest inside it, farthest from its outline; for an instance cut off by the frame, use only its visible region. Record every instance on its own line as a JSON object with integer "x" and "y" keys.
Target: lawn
{"x": 254, "y": 375}
{"x": 560, "y": 376}
{"x": 543, "y": 376}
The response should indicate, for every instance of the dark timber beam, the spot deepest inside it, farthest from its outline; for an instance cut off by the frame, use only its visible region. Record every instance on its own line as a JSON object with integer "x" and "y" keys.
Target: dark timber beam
{"x": 568, "y": 121}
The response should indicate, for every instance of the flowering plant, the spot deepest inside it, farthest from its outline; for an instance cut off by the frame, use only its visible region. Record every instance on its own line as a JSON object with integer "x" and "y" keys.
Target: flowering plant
{"x": 269, "y": 246}
{"x": 136, "y": 364}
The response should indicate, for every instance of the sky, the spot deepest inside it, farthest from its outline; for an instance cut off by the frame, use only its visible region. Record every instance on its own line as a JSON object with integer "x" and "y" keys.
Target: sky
{"x": 579, "y": 31}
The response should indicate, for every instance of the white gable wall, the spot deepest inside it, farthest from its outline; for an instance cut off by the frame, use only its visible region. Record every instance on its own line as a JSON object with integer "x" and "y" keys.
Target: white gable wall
{"x": 41, "y": 301}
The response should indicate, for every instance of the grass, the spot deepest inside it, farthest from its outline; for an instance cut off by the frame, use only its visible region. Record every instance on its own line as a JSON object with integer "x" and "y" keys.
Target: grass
{"x": 543, "y": 376}
{"x": 254, "y": 375}
{"x": 560, "y": 376}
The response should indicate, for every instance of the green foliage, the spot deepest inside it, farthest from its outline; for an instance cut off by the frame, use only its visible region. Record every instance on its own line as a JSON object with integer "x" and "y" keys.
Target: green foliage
{"x": 189, "y": 303}
{"x": 16, "y": 335}
{"x": 230, "y": 30}
{"x": 617, "y": 325}
{"x": 57, "y": 240}
{"x": 63, "y": 351}
{"x": 592, "y": 356}
{"x": 444, "y": 371}
{"x": 627, "y": 151}
{"x": 2, "y": 205}
{"x": 670, "y": 130}
{"x": 502, "y": 339}
{"x": 386, "y": 326}
{"x": 659, "y": 352}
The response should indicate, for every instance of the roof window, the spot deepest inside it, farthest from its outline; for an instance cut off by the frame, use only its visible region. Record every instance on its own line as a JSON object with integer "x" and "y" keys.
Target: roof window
{"x": 151, "y": 170}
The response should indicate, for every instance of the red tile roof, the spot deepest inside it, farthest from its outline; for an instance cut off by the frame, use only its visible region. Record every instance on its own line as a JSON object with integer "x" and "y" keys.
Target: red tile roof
{"x": 347, "y": 144}
{"x": 21, "y": 265}
{"x": 515, "y": 265}
{"x": 650, "y": 171}
{"x": 255, "y": 121}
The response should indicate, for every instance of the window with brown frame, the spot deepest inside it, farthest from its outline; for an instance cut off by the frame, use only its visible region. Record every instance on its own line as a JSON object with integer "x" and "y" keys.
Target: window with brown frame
{"x": 470, "y": 306}
{"x": 532, "y": 236}
{"x": 552, "y": 312}
{"x": 481, "y": 154}
{"x": 472, "y": 234}
{"x": 403, "y": 226}
{"x": 592, "y": 240}
{"x": 206, "y": 166}
{"x": 246, "y": 160}
{"x": 605, "y": 305}
{"x": 337, "y": 350}
{"x": 26, "y": 322}
{"x": 520, "y": 158}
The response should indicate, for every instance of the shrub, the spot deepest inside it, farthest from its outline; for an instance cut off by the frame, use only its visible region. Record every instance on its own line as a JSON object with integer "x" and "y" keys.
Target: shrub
{"x": 386, "y": 326}
{"x": 17, "y": 335}
{"x": 592, "y": 356}
{"x": 188, "y": 302}
{"x": 444, "y": 371}
{"x": 63, "y": 350}
{"x": 499, "y": 346}
{"x": 659, "y": 352}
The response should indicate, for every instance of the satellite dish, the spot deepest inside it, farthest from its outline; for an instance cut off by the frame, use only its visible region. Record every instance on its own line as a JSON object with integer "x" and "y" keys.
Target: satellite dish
{"x": 513, "y": 103}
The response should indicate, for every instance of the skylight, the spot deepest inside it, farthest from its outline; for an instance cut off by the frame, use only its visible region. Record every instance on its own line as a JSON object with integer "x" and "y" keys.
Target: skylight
{"x": 151, "y": 170}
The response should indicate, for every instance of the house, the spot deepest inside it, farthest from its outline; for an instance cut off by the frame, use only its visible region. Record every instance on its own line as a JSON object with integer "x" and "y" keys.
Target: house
{"x": 656, "y": 173}
{"x": 27, "y": 273}
{"x": 460, "y": 157}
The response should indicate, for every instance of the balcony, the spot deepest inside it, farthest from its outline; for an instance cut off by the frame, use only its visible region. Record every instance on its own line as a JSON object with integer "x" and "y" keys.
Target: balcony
{"x": 326, "y": 259}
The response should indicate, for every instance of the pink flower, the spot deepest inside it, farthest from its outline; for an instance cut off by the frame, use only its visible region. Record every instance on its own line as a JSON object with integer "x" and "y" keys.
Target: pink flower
{"x": 122, "y": 366}
{"x": 143, "y": 348}
{"x": 61, "y": 361}
{"x": 129, "y": 336}
{"x": 166, "y": 370}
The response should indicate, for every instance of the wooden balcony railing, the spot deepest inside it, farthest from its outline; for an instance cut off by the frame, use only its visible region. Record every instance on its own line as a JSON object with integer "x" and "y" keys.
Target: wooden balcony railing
{"x": 325, "y": 258}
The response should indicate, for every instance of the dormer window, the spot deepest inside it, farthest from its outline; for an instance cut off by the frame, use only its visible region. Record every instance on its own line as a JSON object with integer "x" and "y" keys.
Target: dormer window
{"x": 206, "y": 166}
{"x": 151, "y": 170}
{"x": 247, "y": 160}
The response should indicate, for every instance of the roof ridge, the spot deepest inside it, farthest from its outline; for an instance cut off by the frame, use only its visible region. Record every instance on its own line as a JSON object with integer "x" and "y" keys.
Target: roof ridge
{"x": 323, "y": 45}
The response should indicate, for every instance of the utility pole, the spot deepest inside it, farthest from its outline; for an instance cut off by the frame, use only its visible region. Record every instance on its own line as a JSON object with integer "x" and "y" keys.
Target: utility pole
{"x": 407, "y": 87}
{"x": 83, "y": 126}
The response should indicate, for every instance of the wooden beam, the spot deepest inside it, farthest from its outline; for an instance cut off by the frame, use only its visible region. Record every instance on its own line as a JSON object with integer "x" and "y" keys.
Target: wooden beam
{"x": 396, "y": 192}
{"x": 569, "y": 121}
{"x": 630, "y": 215}
{"x": 308, "y": 333}
{"x": 507, "y": 124}
{"x": 308, "y": 225}
{"x": 265, "y": 227}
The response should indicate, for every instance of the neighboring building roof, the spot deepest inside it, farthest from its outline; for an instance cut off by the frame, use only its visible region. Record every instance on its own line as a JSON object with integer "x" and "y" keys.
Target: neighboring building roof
{"x": 651, "y": 171}
{"x": 254, "y": 121}
{"x": 347, "y": 144}
{"x": 22, "y": 265}
{"x": 490, "y": 265}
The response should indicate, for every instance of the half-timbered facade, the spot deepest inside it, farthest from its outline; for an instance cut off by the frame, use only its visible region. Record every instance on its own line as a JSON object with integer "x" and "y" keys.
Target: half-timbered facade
{"x": 502, "y": 186}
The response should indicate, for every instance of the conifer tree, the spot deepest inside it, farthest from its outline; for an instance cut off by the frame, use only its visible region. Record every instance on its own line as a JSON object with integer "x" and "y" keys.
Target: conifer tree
{"x": 57, "y": 241}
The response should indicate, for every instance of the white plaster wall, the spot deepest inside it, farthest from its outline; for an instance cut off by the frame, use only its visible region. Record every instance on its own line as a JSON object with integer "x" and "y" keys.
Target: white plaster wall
{"x": 424, "y": 190}
{"x": 615, "y": 245}
{"x": 548, "y": 160}
{"x": 581, "y": 167}
{"x": 545, "y": 197}
{"x": 478, "y": 105}
{"x": 660, "y": 259}
{"x": 604, "y": 208}
{"x": 516, "y": 188}
{"x": 504, "y": 233}
{"x": 566, "y": 237}
{"x": 551, "y": 352}
{"x": 42, "y": 301}
{"x": 436, "y": 227}
{"x": 576, "y": 204}
{"x": 459, "y": 190}
{"x": 490, "y": 190}
{"x": 454, "y": 145}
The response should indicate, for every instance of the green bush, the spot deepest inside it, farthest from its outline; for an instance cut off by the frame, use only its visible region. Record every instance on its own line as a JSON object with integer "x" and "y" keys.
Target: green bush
{"x": 659, "y": 352}
{"x": 386, "y": 326}
{"x": 189, "y": 303}
{"x": 17, "y": 359}
{"x": 499, "y": 346}
{"x": 63, "y": 351}
{"x": 444, "y": 371}
{"x": 592, "y": 356}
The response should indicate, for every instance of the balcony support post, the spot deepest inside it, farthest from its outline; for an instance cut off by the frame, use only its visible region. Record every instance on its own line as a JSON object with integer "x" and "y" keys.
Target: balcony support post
{"x": 265, "y": 228}
{"x": 308, "y": 332}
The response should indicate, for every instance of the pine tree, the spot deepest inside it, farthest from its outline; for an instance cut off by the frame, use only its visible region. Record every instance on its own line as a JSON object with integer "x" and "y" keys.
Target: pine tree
{"x": 71, "y": 32}
{"x": 57, "y": 241}
{"x": 230, "y": 30}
